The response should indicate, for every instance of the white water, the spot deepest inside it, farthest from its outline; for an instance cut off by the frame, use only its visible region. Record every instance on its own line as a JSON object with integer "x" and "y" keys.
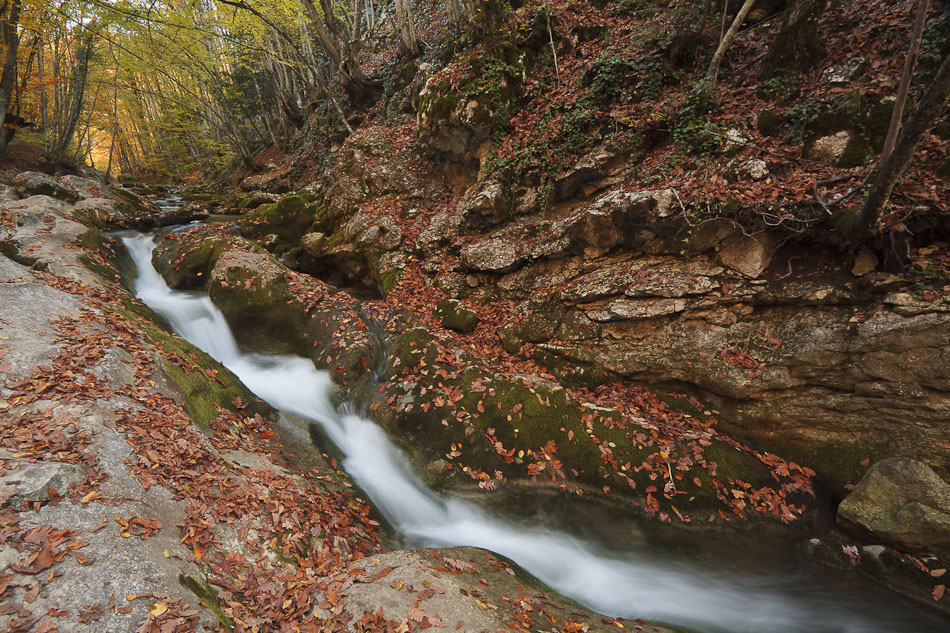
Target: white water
{"x": 634, "y": 585}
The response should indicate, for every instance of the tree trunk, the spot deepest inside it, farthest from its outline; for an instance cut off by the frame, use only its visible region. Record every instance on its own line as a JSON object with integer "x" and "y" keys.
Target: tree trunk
{"x": 78, "y": 89}
{"x": 11, "y": 40}
{"x": 797, "y": 45}
{"x": 712, "y": 73}
{"x": 909, "y": 62}
{"x": 407, "y": 30}
{"x": 891, "y": 169}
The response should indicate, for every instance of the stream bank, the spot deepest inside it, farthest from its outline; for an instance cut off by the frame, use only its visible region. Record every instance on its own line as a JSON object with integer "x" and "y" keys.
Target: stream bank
{"x": 145, "y": 488}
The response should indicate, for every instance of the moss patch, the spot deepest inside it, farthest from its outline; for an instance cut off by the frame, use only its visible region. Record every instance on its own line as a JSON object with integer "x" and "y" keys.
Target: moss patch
{"x": 207, "y": 596}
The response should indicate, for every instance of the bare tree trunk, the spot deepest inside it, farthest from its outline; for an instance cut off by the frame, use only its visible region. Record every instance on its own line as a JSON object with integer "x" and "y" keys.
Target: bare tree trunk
{"x": 892, "y": 168}
{"x": 11, "y": 40}
{"x": 78, "y": 89}
{"x": 407, "y": 30}
{"x": 909, "y": 62}
{"x": 712, "y": 73}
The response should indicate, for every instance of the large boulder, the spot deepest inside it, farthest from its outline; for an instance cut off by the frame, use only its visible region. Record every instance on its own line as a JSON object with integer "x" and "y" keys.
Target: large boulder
{"x": 36, "y": 183}
{"x": 901, "y": 502}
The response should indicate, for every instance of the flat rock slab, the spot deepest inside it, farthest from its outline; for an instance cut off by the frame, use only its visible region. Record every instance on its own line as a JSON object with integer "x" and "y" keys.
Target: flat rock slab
{"x": 463, "y": 589}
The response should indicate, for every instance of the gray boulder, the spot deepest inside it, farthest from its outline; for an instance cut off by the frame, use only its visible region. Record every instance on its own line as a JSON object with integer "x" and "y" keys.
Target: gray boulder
{"x": 901, "y": 502}
{"x": 35, "y": 183}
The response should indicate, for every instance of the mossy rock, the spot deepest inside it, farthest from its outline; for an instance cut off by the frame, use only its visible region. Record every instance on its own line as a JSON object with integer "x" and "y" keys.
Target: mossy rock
{"x": 768, "y": 123}
{"x": 185, "y": 259}
{"x": 455, "y": 316}
{"x": 207, "y": 596}
{"x": 944, "y": 169}
{"x": 289, "y": 219}
{"x": 207, "y": 386}
{"x": 415, "y": 347}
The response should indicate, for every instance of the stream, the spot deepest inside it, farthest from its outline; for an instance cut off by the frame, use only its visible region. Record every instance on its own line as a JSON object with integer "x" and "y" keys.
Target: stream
{"x": 648, "y": 584}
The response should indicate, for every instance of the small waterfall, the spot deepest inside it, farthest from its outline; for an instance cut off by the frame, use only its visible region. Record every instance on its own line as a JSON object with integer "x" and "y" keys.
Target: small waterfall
{"x": 635, "y": 585}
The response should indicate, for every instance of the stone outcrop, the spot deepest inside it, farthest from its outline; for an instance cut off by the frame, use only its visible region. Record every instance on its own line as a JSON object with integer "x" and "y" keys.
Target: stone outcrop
{"x": 902, "y": 503}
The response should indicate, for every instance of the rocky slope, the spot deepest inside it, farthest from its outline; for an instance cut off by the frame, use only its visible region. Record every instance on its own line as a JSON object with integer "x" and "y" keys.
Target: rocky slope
{"x": 144, "y": 489}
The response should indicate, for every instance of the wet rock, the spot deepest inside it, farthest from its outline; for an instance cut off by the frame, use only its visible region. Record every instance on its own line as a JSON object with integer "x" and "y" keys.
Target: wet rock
{"x": 455, "y": 316}
{"x": 748, "y": 255}
{"x": 829, "y": 149}
{"x": 461, "y": 589}
{"x": 35, "y": 183}
{"x": 901, "y": 502}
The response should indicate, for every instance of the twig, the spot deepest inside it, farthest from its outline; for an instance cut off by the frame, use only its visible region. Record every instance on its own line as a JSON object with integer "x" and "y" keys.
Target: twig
{"x": 557, "y": 70}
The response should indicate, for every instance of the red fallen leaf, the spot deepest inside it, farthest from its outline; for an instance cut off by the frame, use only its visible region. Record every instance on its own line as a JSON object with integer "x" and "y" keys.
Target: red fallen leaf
{"x": 938, "y": 592}
{"x": 382, "y": 573}
{"x": 937, "y": 573}
{"x": 416, "y": 614}
{"x": 460, "y": 624}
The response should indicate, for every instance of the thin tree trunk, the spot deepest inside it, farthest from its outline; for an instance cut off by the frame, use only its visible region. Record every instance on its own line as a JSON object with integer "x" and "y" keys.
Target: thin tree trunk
{"x": 78, "y": 89}
{"x": 712, "y": 73}
{"x": 909, "y": 62}
{"x": 891, "y": 169}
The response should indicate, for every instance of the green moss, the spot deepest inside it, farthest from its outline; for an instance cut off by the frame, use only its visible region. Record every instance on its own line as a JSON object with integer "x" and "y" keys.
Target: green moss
{"x": 289, "y": 218}
{"x": 415, "y": 347}
{"x": 455, "y": 316}
{"x": 768, "y": 123}
{"x": 943, "y": 130}
{"x": 207, "y": 595}
{"x": 388, "y": 280}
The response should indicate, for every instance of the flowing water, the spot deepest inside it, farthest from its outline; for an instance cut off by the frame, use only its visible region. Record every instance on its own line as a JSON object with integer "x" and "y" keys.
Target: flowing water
{"x": 636, "y": 584}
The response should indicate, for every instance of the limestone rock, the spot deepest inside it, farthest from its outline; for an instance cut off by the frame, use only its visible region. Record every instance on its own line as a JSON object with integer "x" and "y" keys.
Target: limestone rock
{"x": 903, "y": 503}
{"x": 755, "y": 168}
{"x": 31, "y": 482}
{"x": 624, "y": 309}
{"x": 86, "y": 187}
{"x": 865, "y": 262}
{"x": 494, "y": 255}
{"x": 96, "y": 211}
{"x": 35, "y": 183}
{"x": 841, "y": 74}
{"x": 734, "y": 141}
{"x": 456, "y": 316}
{"x": 829, "y": 149}
{"x": 466, "y": 591}
{"x": 313, "y": 243}
{"x": 745, "y": 254}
